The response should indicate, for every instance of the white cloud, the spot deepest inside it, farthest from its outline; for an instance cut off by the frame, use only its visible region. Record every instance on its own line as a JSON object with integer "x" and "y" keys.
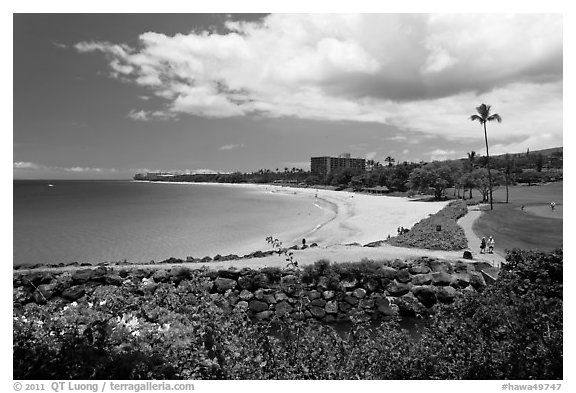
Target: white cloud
{"x": 230, "y": 147}
{"x": 143, "y": 115}
{"x": 139, "y": 115}
{"x": 370, "y": 155}
{"x": 25, "y": 165}
{"x": 420, "y": 73}
{"x": 441, "y": 155}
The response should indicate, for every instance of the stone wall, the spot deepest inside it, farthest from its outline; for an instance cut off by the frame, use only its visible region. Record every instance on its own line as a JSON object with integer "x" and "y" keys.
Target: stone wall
{"x": 396, "y": 288}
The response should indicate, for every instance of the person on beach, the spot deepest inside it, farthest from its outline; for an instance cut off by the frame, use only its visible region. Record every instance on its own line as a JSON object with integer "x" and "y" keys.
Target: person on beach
{"x": 482, "y": 245}
{"x": 522, "y": 207}
{"x": 490, "y": 245}
{"x": 552, "y": 205}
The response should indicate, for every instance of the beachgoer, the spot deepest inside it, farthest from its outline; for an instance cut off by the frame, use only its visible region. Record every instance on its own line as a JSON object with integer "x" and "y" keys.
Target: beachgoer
{"x": 482, "y": 245}
{"x": 553, "y": 205}
{"x": 491, "y": 245}
{"x": 522, "y": 207}
{"x": 398, "y": 230}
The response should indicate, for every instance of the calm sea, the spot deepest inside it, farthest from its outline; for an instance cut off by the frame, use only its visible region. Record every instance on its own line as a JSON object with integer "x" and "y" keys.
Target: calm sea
{"x": 96, "y": 221}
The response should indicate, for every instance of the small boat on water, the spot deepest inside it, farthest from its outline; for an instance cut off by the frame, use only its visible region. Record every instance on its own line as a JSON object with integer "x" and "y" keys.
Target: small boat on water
{"x": 50, "y": 185}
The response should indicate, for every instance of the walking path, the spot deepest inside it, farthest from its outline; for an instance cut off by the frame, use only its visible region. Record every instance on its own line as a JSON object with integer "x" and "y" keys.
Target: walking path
{"x": 466, "y": 223}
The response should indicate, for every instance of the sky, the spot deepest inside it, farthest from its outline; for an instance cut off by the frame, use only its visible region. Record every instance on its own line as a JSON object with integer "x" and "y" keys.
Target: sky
{"x": 103, "y": 96}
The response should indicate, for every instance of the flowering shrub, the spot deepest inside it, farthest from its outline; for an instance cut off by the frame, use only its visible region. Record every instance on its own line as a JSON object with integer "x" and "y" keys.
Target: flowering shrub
{"x": 169, "y": 330}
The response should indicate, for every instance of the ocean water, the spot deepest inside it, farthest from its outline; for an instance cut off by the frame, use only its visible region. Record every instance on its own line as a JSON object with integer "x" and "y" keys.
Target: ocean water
{"x": 96, "y": 221}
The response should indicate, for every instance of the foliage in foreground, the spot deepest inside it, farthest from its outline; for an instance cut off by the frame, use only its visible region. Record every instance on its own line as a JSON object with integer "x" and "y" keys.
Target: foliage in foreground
{"x": 424, "y": 234}
{"x": 513, "y": 330}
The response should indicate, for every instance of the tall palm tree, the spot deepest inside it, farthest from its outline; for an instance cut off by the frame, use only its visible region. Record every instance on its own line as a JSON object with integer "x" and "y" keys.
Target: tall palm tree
{"x": 389, "y": 160}
{"x": 483, "y": 117}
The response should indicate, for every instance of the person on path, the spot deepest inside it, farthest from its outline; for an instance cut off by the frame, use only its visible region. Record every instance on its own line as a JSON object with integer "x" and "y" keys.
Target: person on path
{"x": 482, "y": 245}
{"x": 490, "y": 245}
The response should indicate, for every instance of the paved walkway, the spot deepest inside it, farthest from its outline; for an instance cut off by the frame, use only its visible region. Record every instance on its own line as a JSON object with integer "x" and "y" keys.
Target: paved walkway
{"x": 466, "y": 223}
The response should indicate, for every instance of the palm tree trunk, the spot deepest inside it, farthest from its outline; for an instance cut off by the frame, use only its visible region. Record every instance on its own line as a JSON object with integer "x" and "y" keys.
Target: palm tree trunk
{"x": 507, "y": 181}
{"x": 488, "y": 164}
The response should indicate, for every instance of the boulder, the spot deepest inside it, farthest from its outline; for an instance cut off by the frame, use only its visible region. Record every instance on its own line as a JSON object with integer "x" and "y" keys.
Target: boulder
{"x": 328, "y": 295}
{"x": 259, "y": 294}
{"x": 257, "y": 305}
{"x": 74, "y": 293}
{"x": 446, "y": 294}
{"x": 318, "y": 303}
{"x": 425, "y": 294}
{"x": 246, "y": 295}
{"x": 269, "y": 298}
{"x": 359, "y": 293}
{"x": 263, "y": 315}
{"x": 247, "y": 282}
{"x": 280, "y": 296}
{"x": 331, "y": 307}
{"x": 38, "y": 278}
{"x": 387, "y": 272}
{"x": 63, "y": 281}
{"x": 232, "y": 274}
{"x": 371, "y": 284}
{"x": 467, "y": 255}
{"x": 403, "y": 276}
{"x": 83, "y": 275}
{"x": 397, "y": 289}
{"x": 367, "y": 303}
{"x": 353, "y": 301}
{"x": 477, "y": 281}
{"x": 344, "y": 307}
{"x": 223, "y": 284}
{"x": 113, "y": 279}
{"x": 206, "y": 259}
{"x": 439, "y": 266}
{"x": 283, "y": 308}
{"x": 408, "y": 305}
{"x": 349, "y": 282}
{"x": 323, "y": 283}
{"x": 242, "y": 305}
{"x": 317, "y": 312}
{"x": 461, "y": 280}
{"x": 419, "y": 269}
{"x": 313, "y": 295}
{"x": 399, "y": 264}
{"x": 383, "y": 306}
{"x": 441, "y": 279}
{"x": 422, "y": 279}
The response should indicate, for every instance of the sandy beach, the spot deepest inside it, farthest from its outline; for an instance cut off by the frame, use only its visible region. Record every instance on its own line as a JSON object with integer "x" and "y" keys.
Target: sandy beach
{"x": 348, "y": 217}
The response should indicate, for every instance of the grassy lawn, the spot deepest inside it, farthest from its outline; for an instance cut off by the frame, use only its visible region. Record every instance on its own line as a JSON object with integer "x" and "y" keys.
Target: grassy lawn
{"x": 513, "y": 228}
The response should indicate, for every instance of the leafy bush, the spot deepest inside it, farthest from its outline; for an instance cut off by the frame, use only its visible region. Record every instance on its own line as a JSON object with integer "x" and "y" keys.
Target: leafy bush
{"x": 424, "y": 234}
{"x": 512, "y": 330}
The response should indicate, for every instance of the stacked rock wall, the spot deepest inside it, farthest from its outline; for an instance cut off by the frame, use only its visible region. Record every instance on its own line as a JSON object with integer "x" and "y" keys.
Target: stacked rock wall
{"x": 329, "y": 294}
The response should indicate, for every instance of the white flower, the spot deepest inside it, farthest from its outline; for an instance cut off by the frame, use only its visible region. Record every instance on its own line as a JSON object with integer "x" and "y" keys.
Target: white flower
{"x": 73, "y": 304}
{"x": 136, "y": 333}
{"x": 89, "y": 305}
{"x": 103, "y": 302}
{"x": 164, "y": 328}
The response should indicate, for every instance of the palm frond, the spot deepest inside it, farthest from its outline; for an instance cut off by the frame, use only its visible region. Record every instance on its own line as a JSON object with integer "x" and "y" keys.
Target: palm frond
{"x": 476, "y": 117}
{"x": 496, "y": 117}
{"x": 483, "y": 110}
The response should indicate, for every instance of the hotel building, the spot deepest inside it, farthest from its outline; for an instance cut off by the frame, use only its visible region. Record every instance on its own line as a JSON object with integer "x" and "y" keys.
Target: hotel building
{"x": 325, "y": 165}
